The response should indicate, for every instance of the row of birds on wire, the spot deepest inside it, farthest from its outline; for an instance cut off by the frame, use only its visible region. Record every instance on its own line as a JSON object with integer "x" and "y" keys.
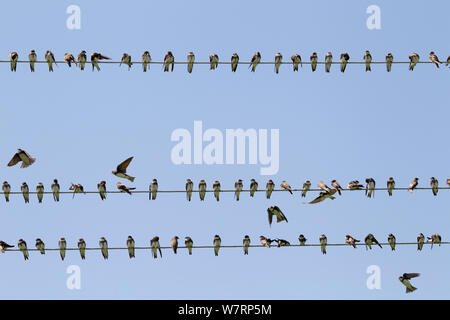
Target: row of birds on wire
{"x": 169, "y": 61}
{"x": 155, "y": 246}
{"x": 121, "y": 171}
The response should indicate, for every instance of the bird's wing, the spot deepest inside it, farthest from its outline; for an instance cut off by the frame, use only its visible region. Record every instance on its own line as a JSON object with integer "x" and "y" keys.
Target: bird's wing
{"x": 320, "y": 198}
{"x": 123, "y": 166}
{"x": 14, "y": 160}
{"x": 410, "y": 275}
{"x": 270, "y": 214}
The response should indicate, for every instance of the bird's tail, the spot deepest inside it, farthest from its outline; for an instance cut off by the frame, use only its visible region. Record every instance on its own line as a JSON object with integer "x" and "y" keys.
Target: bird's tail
{"x": 408, "y": 290}
{"x": 131, "y": 178}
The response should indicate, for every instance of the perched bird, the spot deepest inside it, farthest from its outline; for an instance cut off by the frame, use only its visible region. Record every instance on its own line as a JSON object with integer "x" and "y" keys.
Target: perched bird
{"x": 216, "y": 242}
{"x": 202, "y": 189}
{"x": 126, "y": 59}
{"x": 32, "y": 57}
{"x": 62, "y": 248}
{"x": 367, "y": 60}
{"x": 55, "y": 190}
{"x": 77, "y": 188}
{"x": 174, "y": 244}
{"x": 121, "y": 170}
{"x": 354, "y": 185}
{"x": 40, "y": 246}
{"x": 313, "y": 58}
{"x": 390, "y": 185}
{"x": 282, "y": 243}
{"x": 404, "y": 279}
{"x": 306, "y": 186}
{"x": 21, "y": 155}
{"x": 50, "y": 58}
{"x": 420, "y": 241}
{"x": 323, "y": 186}
{"x": 188, "y": 243}
{"x": 371, "y": 239}
{"x": 246, "y": 244}
{"x": 389, "y": 60}
{"x": 95, "y": 57}
{"x": 433, "y": 58}
{"x": 278, "y": 58}
{"x": 234, "y": 62}
{"x": 448, "y": 182}
{"x": 146, "y": 59}
{"x": 328, "y": 61}
{"x": 68, "y": 58}
{"x": 285, "y": 186}
{"x": 130, "y": 246}
{"x": 323, "y": 196}
{"x": 154, "y": 244}
{"x": 82, "y": 247}
{"x": 275, "y": 211}
{"x": 153, "y": 190}
{"x": 370, "y": 187}
{"x": 336, "y": 186}
{"x": 302, "y": 239}
{"x": 256, "y": 59}
{"x": 40, "y": 191}
{"x": 168, "y": 61}
{"x": 190, "y": 60}
{"x": 23, "y": 248}
{"x": 269, "y": 188}
{"x": 101, "y": 187}
{"x": 216, "y": 188}
{"x": 391, "y": 240}
{"x": 413, "y": 184}
{"x": 25, "y": 192}
{"x": 296, "y": 60}
{"x": 435, "y": 238}
{"x": 189, "y": 188}
{"x": 434, "y": 185}
{"x": 213, "y": 61}
{"x": 253, "y": 187}
{"x": 237, "y": 189}
{"x": 6, "y": 188}
{"x": 323, "y": 243}
{"x": 344, "y": 60}
{"x": 4, "y": 246}
{"x": 413, "y": 60}
{"x": 123, "y": 188}
{"x": 82, "y": 58}
{"x": 104, "y": 247}
{"x": 13, "y": 57}
{"x": 266, "y": 242}
{"x": 351, "y": 241}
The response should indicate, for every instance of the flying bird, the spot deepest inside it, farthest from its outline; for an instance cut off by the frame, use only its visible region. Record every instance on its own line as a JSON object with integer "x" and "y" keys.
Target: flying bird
{"x": 188, "y": 243}
{"x": 130, "y": 246}
{"x": 336, "y": 186}
{"x": 296, "y": 60}
{"x": 256, "y": 59}
{"x": 154, "y": 244}
{"x": 4, "y": 246}
{"x": 278, "y": 58}
{"x": 323, "y": 196}
{"x": 269, "y": 188}
{"x": 392, "y": 241}
{"x": 367, "y": 60}
{"x": 302, "y": 239}
{"x": 13, "y": 57}
{"x": 285, "y": 186}
{"x": 69, "y": 59}
{"x": 434, "y": 185}
{"x": 104, "y": 247}
{"x": 433, "y": 58}
{"x": 351, "y": 241}
{"x": 190, "y": 60}
{"x": 238, "y": 188}
{"x": 216, "y": 242}
{"x": 101, "y": 187}
{"x": 369, "y": 240}
{"x": 50, "y": 58}
{"x": 95, "y": 57}
{"x": 76, "y": 188}
{"x": 216, "y": 188}
{"x": 189, "y": 188}
{"x": 448, "y": 61}
{"x": 62, "y": 248}
{"x": 389, "y": 60}
{"x": 121, "y": 170}
{"x": 404, "y": 279}
{"x": 153, "y": 190}
{"x": 21, "y": 155}
{"x": 123, "y": 188}
{"x": 40, "y": 191}
{"x": 413, "y": 184}
{"x": 32, "y": 57}
{"x": 126, "y": 59}
{"x": 202, "y": 189}
{"x": 390, "y": 185}
{"x": 168, "y": 61}
{"x": 174, "y": 244}
{"x": 6, "y": 188}
{"x": 82, "y": 248}
{"x": 313, "y": 58}
{"x": 55, "y": 189}
{"x": 146, "y": 59}
{"x": 213, "y": 61}
{"x": 328, "y": 61}
{"x": 253, "y": 187}
{"x": 246, "y": 244}
{"x": 234, "y": 62}
{"x": 275, "y": 211}
{"x": 370, "y": 187}
{"x": 25, "y": 192}
{"x": 344, "y": 60}
{"x": 40, "y": 246}
{"x": 23, "y": 248}
{"x": 82, "y": 58}
{"x": 413, "y": 60}
{"x": 323, "y": 244}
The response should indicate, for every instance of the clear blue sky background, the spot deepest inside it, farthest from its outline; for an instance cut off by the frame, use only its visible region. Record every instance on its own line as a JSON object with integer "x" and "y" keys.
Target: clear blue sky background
{"x": 80, "y": 125}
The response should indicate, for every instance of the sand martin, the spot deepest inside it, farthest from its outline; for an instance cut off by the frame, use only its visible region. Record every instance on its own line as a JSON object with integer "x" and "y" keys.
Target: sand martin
{"x": 21, "y": 155}
{"x": 121, "y": 170}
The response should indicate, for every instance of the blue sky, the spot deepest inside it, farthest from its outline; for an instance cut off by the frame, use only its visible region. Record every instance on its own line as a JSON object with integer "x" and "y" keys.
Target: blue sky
{"x": 80, "y": 125}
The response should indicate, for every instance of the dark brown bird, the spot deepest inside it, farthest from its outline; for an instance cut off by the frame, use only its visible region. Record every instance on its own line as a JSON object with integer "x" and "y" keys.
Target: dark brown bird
{"x": 121, "y": 170}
